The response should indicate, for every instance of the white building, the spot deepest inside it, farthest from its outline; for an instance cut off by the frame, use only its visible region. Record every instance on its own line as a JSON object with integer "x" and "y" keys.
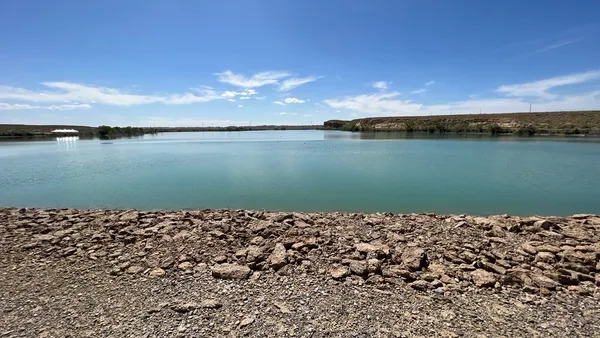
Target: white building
{"x": 65, "y": 131}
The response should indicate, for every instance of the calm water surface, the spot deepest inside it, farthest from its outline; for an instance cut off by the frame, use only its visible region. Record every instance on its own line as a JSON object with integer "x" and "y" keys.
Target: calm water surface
{"x": 306, "y": 171}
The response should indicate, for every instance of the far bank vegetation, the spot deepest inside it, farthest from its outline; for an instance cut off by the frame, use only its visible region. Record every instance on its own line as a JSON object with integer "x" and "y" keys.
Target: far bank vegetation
{"x": 523, "y": 124}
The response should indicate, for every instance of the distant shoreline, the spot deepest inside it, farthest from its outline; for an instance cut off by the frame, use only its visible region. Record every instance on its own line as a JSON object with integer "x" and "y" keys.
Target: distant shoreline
{"x": 523, "y": 124}
{"x": 24, "y": 131}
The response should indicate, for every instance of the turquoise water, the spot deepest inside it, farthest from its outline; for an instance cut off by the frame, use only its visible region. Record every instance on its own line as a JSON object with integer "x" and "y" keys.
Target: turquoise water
{"x": 307, "y": 171}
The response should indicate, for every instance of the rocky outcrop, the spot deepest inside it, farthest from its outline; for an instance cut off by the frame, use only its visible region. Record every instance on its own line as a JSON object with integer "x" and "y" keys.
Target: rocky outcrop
{"x": 424, "y": 252}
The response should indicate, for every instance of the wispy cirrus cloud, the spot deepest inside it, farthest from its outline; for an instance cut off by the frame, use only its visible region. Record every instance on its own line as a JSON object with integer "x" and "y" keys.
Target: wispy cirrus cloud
{"x": 296, "y": 82}
{"x": 550, "y": 47}
{"x": 423, "y": 90}
{"x": 540, "y": 88}
{"x": 253, "y": 81}
{"x": 279, "y": 103}
{"x": 419, "y": 91}
{"x": 246, "y": 93}
{"x": 17, "y": 106}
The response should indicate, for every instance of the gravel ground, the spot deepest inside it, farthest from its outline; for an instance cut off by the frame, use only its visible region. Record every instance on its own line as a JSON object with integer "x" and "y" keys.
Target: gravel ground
{"x": 212, "y": 273}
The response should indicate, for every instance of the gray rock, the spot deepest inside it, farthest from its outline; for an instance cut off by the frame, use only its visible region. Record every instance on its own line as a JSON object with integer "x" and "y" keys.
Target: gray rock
{"x": 210, "y": 304}
{"x": 546, "y": 225}
{"x": 254, "y": 254}
{"x": 373, "y": 265}
{"x": 358, "y": 267}
{"x": 246, "y": 321}
{"x": 184, "y": 307}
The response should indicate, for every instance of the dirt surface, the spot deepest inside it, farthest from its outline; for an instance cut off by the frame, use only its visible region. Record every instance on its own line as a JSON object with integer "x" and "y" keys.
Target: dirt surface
{"x": 211, "y": 273}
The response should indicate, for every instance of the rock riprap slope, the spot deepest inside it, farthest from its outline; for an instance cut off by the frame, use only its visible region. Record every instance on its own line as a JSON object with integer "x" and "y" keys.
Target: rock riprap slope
{"x": 233, "y": 272}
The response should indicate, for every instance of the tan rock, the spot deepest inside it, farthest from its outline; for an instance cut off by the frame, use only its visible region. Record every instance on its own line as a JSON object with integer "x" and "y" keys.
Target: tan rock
{"x": 528, "y": 248}
{"x": 230, "y": 271}
{"x": 414, "y": 259}
{"x": 420, "y": 285}
{"x": 134, "y": 269}
{"x": 156, "y": 273}
{"x": 483, "y": 278}
{"x": 185, "y": 266}
{"x": 340, "y": 272}
{"x": 278, "y": 257}
{"x": 544, "y": 282}
{"x": 247, "y": 321}
{"x": 546, "y": 257}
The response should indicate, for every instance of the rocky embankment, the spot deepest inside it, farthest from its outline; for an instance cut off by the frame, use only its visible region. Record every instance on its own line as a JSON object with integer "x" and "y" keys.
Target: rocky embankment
{"x": 234, "y": 272}
{"x": 524, "y": 124}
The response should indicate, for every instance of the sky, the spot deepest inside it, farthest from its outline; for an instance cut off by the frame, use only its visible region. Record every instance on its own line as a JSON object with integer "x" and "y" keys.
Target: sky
{"x": 225, "y": 62}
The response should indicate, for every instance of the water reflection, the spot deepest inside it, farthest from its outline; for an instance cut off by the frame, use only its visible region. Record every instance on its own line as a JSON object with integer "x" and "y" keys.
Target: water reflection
{"x": 400, "y": 135}
{"x": 67, "y": 142}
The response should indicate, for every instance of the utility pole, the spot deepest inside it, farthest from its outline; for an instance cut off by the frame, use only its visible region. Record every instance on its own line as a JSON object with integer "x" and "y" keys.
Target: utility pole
{"x": 530, "y": 107}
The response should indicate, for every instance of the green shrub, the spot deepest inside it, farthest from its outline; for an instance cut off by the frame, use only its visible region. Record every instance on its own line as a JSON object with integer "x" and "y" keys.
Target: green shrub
{"x": 496, "y": 129}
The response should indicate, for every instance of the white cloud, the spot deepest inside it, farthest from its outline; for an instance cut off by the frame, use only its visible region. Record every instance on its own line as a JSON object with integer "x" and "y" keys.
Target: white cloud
{"x": 286, "y": 113}
{"x": 380, "y": 103}
{"x": 429, "y": 83}
{"x": 240, "y": 106}
{"x": 65, "y": 91}
{"x": 419, "y": 91}
{"x": 296, "y": 82}
{"x": 540, "y": 88}
{"x": 256, "y": 80}
{"x": 516, "y": 99}
{"x": 229, "y": 93}
{"x": 260, "y": 97}
{"x": 245, "y": 94}
{"x": 307, "y": 115}
{"x": 388, "y": 104}
{"x": 383, "y": 85}
{"x": 231, "y": 100}
{"x": 17, "y": 106}
{"x": 162, "y": 121}
{"x": 293, "y": 100}
{"x": 279, "y": 103}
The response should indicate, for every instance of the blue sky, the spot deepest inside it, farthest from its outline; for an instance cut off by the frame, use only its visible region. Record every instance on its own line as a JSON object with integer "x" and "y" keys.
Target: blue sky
{"x": 188, "y": 63}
